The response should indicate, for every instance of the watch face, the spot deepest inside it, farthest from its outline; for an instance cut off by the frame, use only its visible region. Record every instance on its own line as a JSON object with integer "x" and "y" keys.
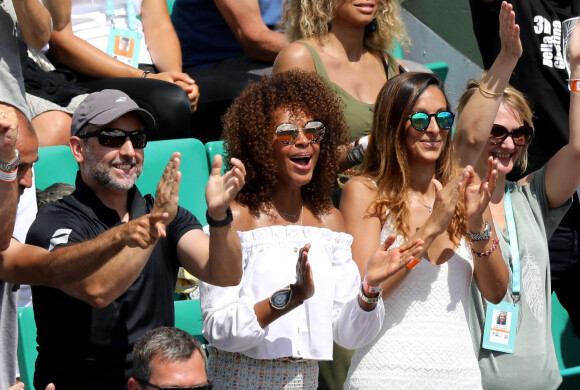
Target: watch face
{"x": 281, "y": 298}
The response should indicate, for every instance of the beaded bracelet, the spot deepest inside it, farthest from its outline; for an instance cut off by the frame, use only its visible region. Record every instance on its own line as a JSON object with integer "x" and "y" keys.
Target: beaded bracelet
{"x": 489, "y": 251}
{"x": 484, "y": 91}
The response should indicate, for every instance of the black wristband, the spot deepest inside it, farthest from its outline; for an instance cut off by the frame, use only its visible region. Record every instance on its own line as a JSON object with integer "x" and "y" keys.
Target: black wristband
{"x": 224, "y": 222}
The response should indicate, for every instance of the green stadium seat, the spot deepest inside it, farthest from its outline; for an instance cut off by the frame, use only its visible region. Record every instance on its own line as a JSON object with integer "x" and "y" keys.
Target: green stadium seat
{"x": 567, "y": 346}
{"x": 212, "y": 148}
{"x": 188, "y": 317}
{"x": 27, "y": 352}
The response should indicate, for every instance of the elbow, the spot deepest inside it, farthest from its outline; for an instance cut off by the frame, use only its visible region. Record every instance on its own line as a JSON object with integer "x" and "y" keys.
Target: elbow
{"x": 228, "y": 279}
{"x": 496, "y": 295}
{"x": 96, "y": 297}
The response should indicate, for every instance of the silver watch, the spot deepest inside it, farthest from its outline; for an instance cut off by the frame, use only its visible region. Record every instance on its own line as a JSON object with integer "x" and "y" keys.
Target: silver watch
{"x": 12, "y": 165}
{"x": 484, "y": 235}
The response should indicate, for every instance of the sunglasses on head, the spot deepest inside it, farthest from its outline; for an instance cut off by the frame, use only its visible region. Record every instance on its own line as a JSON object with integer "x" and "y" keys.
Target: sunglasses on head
{"x": 115, "y": 138}
{"x": 207, "y": 386}
{"x": 521, "y": 136}
{"x": 288, "y": 132}
{"x": 420, "y": 120}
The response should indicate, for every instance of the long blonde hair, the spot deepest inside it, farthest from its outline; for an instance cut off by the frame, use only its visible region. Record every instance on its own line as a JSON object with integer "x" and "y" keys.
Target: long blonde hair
{"x": 386, "y": 159}
{"x": 311, "y": 19}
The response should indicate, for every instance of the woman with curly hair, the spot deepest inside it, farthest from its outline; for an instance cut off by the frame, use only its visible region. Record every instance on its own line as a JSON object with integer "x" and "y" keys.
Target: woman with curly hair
{"x": 410, "y": 186}
{"x": 300, "y": 286}
{"x": 341, "y": 38}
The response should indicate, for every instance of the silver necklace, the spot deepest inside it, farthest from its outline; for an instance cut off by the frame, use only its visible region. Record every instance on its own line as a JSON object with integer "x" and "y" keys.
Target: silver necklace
{"x": 427, "y": 206}
{"x": 292, "y": 217}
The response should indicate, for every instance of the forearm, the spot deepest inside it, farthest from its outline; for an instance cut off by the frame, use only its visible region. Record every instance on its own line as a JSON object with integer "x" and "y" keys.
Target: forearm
{"x": 60, "y": 11}
{"x": 8, "y": 206}
{"x": 225, "y": 257}
{"x": 165, "y": 49}
{"x": 85, "y": 58}
{"x": 266, "y": 314}
{"x": 34, "y": 22}
{"x": 263, "y": 44}
{"x": 490, "y": 271}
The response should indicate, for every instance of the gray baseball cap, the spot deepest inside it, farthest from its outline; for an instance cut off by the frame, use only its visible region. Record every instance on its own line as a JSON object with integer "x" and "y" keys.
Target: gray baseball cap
{"x": 106, "y": 106}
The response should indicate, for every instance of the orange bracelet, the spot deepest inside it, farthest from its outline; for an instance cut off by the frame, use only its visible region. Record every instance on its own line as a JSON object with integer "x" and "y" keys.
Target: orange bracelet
{"x": 575, "y": 85}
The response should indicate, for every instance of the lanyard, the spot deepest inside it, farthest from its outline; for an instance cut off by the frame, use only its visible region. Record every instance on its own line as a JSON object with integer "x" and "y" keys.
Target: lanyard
{"x": 131, "y": 17}
{"x": 514, "y": 248}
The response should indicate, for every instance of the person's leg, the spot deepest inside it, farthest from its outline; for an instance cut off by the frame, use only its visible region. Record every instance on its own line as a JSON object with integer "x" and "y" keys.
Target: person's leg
{"x": 167, "y": 102}
{"x": 52, "y": 128}
{"x": 217, "y": 89}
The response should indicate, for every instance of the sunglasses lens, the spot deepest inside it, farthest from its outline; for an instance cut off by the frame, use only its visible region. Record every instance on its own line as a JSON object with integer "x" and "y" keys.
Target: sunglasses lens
{"x": 314, "y": 131}
{"x": 522, "y": 135}
{"x": 498, "y": 134}
{"x": 420, "y": 121}
{"x": 112, "y": 138}
{"x": 138, "y": 139}
{"x": 444, "y": 120}
{"x": 286, "y": 133}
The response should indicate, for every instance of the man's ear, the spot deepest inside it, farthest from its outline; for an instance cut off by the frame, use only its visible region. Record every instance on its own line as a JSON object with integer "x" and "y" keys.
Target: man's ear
{"x": 77, "y": 148}
{"x": 132, "y": 384}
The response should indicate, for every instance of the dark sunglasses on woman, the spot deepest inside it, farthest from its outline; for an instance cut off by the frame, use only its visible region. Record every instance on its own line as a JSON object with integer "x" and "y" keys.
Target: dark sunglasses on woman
{"x": 115, "y": 138}
{"x": 521, "y": 136}
{"x": 420, "y": 120}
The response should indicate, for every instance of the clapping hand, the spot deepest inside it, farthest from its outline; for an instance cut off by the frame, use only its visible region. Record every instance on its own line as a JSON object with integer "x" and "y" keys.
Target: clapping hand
{"x": 477, "y": 194}
{"x": 222, "y": 190}
{"x": 386, "y": 262}
{"x": 304, "y": 286}
{"x": 509, "y": 31}
{"x": 167, "y": 194}
{"x": 446, "y": 199}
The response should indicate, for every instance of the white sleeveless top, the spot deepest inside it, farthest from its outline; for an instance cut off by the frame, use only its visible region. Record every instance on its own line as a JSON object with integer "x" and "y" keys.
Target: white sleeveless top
{"x": 425, "y": 341}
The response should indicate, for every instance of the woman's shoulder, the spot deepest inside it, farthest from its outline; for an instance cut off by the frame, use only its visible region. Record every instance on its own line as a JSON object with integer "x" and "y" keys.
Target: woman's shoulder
{"x": 361, "y": 185}
{"x": 333, "y": 220}
{"x": 295, "y": 55}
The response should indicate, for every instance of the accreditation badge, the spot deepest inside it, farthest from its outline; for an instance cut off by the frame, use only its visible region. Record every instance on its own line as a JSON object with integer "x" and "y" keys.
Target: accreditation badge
{"x": 124, "y": 46}
{"x": 500, "y": 327}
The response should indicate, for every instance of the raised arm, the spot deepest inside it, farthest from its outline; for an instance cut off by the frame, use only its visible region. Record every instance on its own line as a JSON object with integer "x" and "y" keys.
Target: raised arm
{"x": 8, "y": 184}
{"x": 34, "y": 22}
{"x": 216, "y": 259}
{"x": 31, "y": 264}
{"x": 477, "y": 116}
{"x": 245, "y": 20}
{"x": 562, "y": 176}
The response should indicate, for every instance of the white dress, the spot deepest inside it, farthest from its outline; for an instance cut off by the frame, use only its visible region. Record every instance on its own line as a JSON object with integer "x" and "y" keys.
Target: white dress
{"x": 425, "y": 341}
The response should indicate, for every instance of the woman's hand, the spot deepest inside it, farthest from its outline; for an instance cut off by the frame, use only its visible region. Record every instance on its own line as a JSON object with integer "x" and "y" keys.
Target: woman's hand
{"x": 304, "y": 286}
{"x": 386, "y": 262}
{"x": 509, "y": 32}
{"x": 446, "y": 199}
{"x": 477, "y": 195}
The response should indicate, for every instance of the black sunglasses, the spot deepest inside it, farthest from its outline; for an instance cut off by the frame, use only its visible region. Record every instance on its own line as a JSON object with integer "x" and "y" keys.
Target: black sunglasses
{"x": 115, "y": 138}
{"x": 521, "y": 136}
{"x": 288, "y": 132}
{"x": 207, "y": 386}
{"x": 420, "y": 120}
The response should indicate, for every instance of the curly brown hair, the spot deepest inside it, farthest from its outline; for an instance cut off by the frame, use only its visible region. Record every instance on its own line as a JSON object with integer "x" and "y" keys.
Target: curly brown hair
{"x": 248, "y": 128}
{"x": 386, "y": 160}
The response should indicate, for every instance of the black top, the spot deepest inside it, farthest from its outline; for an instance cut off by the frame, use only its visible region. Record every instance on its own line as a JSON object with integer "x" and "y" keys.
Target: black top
{"x": 81, "y": 347}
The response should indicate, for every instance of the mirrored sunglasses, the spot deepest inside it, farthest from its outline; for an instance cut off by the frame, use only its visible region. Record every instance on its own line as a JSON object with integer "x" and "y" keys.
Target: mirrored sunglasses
{"x": 420, "y": 120}
{"x": 521, "y": 136}
{"x": 115, "y": 138}
{"x": 287, "y": 133}
{"x": 144, "y": 383}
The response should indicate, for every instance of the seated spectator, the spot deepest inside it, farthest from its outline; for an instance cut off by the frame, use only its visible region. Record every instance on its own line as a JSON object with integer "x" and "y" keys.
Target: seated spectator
{"x": 86, "y": 45}
{"x": 221, "y": 41}
{"x": 108, "y": 311}
{"x": 168, "y": 358}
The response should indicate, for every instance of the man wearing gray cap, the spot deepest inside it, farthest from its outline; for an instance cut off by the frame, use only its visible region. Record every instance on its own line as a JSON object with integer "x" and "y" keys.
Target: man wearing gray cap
{"x": 86, "y": 330}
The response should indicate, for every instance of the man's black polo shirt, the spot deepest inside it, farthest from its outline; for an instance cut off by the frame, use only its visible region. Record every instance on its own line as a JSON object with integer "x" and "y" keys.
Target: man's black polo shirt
{"x": 81, "y": 347}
